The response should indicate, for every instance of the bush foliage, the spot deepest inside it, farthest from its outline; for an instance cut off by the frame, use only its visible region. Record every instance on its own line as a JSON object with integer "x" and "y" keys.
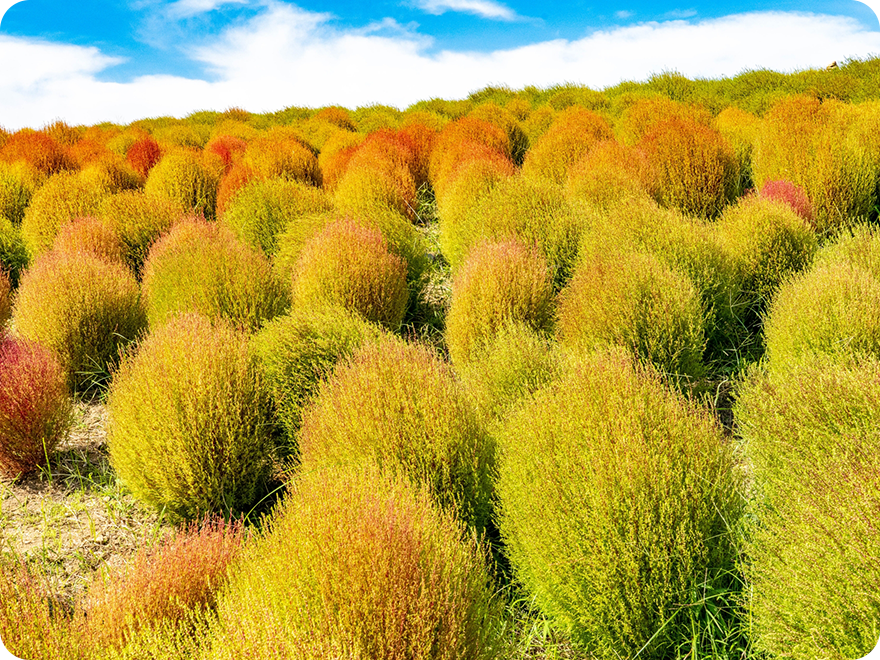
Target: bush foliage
{"x": 190, "y": 421}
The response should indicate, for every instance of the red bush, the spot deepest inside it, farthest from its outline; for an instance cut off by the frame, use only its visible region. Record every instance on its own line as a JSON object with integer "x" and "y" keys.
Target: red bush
{"x": 35, "y": 408}
{"x": 143, "y": 154}
{"x": 793, "y": 195}
{"x": 37, "y": 149}
{"x": 228, "y": 147}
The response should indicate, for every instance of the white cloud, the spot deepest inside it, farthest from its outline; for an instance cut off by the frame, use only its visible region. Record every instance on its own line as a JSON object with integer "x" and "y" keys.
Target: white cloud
{"x": 188, "y": 8}
{"x": 287, "y": 56}
{"x": 677, "y": 14}
{"x": 623, "y": 14}
{"x": 482, "y": 8}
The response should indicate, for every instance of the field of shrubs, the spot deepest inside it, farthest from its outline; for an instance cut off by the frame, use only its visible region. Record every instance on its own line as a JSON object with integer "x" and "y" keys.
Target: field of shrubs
{"x": 548, "y": 373}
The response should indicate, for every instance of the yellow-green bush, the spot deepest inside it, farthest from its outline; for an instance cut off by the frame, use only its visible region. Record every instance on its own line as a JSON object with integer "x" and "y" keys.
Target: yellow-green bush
{"x": 183, "y": 177}
{"x": 832, "y": 310}
{"x": 499, "y": 283}
{"x": 190, "y": 421}
{"x": 296, "y": 352}
{"x": 533, "y": 211}
{"x": 13, "y": 254}
{"x": 636, "y": 301}
{"x": 82, "y": 307}
{"x": 740, "y": 129}
{"x": 139, "y": 219}
{"x": 200, "y": 266}
{"x": 572, "y": 134}
{"x": 505, "y": 120}
{"x": 261, "y": 210}
{"x": 375, "y": 182}
{"x": 15, "y": 192}
{"x": 62, "y": 198}
{"x": 812, "y": 443}
{"x": 693, "y": 167}
{"x": 399, "y": 404}
{"x": 609, "y": 173}
{"x": 766, "y": 241}
{"x": 5, "y": 297}
{"x": 461, "y": 138}
{"x": 350, "y": 265}
{"x": 281, "y": 153}
{"x": 513, "y": 364}
{"x": 35, "y": 407}
{"x": 359, "y": 564}
{"x": 643, "y": 114}
{"x": 617, "y": 499}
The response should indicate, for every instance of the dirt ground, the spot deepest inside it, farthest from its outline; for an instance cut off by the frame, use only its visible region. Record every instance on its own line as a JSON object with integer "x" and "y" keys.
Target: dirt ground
{"x": 73, "y": 518}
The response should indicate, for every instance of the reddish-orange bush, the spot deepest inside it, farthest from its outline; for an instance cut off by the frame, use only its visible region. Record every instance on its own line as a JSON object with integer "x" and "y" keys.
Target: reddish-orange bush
{"x": 37, "y": 149}
{"x": 236, "y": 177}
{"x": 572, "y": 134}
{"x": 228, "y": 147}
{"x": 169, "y": 582}
{"x": 143, "y": 155}
{"x": 337, "y": 116}
{"x": 350, "y": 265}
{"x": 421, "y": 139}
{"x": 460, "y": 138}
{"x": 35, "y": 408}
{"x": 694, "y": 167}
{"x": 793, "y": 195}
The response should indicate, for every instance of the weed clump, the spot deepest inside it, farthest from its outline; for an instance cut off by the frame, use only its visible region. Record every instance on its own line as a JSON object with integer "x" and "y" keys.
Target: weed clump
{"x": 399, "y": 405}
{"x": 83, "y": 308}
{"x": 499, "y": 283}
{"x": 35, "y": 407}
{"x": 350, "y": 265}
{"x": 200, "y": 266}
{"x": 357, "y": 562}
{"x": 298, "y": 351}
{"x": 811, "y": 437}
{"x": 638, "y": 491}
{"x": 190, "y": 421}
{"x": 636, "y": 301}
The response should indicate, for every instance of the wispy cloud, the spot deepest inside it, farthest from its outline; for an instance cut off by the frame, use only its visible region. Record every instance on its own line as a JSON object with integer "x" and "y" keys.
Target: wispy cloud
{"x": 483, "y": 8}
{"x": 188, "y": 8}
{"x": 288, "y": 56}
{"x": 623, "y": 14}
{"x": 680, "y": 14}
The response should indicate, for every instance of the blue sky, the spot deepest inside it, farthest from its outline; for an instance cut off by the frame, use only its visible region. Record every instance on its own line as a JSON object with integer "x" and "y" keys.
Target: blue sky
{"x": 91, "y": 61}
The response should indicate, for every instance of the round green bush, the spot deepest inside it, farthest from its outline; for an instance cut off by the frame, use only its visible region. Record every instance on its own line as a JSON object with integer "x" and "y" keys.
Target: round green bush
{"x": 182, "y": 177}
{"x": 617, "y": 498}
{"x": 533, "y": 211}
{"x": 359, "y": 564}
{"x": 298, "y": 351}
{"x": 35, "y": 407}
{"x": 515, "y": 363}
{"x": 139, "y": 219}
{"x": 498, "y": 283}
{"x": 350, "y": 265}
{"x": 811, "y": 438}
{"x": 190, "y": 422}
{"x": 766, "y": 241}
{"x": 399, "y": 405}
{"x": 15, "y": 192}
{"x": 260, "y": 211}
{"x": 201, "y": 266}
{"x": 13, "y": 254}
{"x": 832, "y": 310}
{"x": 82, "y": 307}
{"x": 65, "y": 196}
{"x": 636, "y": 301}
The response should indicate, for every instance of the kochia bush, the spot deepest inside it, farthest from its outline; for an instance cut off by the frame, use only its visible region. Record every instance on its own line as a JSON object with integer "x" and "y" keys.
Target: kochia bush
{"x": 499, "y": 283}
{"x": 190, "y": 425}
{"x": 201, "y": 266}
{"x": 5, "y": 297}
{"x": 82, "y": 307}
{"x": 358, "y": 563}
{"x": 638, "y": 491}
{"x": 90, "y": 235}
{"x": 183, "y": 177}
{"x": 350, "y": 265}
{"x": 35, "y": 406}
{"x": 399, "y": 404}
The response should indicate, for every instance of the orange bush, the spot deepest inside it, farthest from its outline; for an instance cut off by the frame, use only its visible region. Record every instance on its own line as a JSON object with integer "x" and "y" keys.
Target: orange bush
{"x": 694, "y": 168}
{"x": 238, "y": 176}
{"x": 35, "y": 408}
{"x": 504, "y": 119}
{"x": 37, "y": 149}
{"x": 228, "y": 147}
{"x": 609, "y": 173}
{"x": 572, "y": 134}
{"x": 335, "y": 154}
{"x": 459, "y": 138}
{"x": 644, "y": 114}
{"x": 791, "y": 194}
{"x": 281, "y": 153}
